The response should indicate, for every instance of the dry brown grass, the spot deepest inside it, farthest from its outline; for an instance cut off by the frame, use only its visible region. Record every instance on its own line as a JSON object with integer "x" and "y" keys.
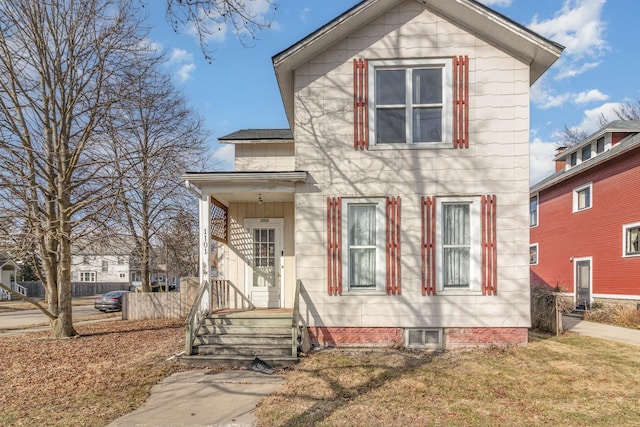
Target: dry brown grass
{"x": 85, "y": 381}
{"x": 569, "y": 380}
{"x": 618, "y": 315}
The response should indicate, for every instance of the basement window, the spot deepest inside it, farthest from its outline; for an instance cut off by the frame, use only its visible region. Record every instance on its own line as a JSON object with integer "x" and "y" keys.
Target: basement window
{"x": 423, "y": 338}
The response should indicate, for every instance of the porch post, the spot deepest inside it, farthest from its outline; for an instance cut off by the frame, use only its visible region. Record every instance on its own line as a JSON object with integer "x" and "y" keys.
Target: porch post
{"x": 205, "y": 236}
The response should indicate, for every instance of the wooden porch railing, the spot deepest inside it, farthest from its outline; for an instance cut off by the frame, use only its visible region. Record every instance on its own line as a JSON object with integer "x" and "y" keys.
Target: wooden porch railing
{"x": 211, "y": 297}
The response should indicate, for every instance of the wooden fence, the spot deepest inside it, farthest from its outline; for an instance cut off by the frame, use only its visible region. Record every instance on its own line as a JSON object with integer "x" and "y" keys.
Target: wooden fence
{"x": 160, "y": 305}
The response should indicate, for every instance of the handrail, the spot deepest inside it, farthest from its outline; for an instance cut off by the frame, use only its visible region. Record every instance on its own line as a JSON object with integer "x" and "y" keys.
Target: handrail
{"x": 20, "y": 289}
{"x": 295, "y": 320}
{"x": 198, "y": 313}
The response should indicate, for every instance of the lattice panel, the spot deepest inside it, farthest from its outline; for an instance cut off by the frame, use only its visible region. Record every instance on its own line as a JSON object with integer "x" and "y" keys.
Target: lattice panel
{"x": 219, "y": 221}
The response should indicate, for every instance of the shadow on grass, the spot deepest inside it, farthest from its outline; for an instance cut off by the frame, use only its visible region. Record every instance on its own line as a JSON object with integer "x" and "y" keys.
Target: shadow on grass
{"x": 343, "y": 395}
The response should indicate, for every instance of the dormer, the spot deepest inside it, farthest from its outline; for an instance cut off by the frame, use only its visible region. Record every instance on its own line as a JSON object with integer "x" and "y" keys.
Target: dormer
{"x": 262, "y": 150}
{"x": 598, "y": 143}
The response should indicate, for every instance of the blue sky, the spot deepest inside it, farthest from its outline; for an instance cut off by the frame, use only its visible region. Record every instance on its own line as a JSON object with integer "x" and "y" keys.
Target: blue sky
{"x": 597, "y": 71}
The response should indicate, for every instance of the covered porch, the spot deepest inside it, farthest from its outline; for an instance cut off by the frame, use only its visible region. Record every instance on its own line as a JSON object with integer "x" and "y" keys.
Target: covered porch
{"x": 246, "y": 238}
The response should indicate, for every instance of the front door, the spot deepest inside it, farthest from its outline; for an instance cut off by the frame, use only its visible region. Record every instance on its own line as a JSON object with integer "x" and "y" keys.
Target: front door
{"x": 264, "y": 269}
{"x": 583, "y": 284}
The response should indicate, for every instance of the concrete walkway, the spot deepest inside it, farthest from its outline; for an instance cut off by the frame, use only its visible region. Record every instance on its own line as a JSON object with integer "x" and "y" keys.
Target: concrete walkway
{"x": 195, "y": 398}
{"x": 598, "y": 330}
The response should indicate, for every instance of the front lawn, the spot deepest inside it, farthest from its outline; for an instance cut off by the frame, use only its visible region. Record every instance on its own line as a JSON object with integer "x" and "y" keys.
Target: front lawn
{"x": 569, "y": 380}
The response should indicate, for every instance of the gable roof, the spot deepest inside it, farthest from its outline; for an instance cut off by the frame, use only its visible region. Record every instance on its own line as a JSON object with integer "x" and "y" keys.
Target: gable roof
{"x": 524, "y": 44}
{"x": 615, "y": 126}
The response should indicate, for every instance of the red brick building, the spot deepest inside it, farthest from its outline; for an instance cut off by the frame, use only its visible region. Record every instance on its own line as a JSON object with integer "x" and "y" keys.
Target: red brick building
{"x": 585, "y": 219}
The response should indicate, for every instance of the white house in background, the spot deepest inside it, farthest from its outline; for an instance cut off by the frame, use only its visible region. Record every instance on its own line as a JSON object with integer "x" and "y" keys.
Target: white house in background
{"x": 104, "y": 260}
{"x": 398, "y": 198}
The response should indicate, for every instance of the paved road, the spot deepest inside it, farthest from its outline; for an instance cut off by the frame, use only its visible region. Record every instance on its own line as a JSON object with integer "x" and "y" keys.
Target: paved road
{"x": 16, "y": 319}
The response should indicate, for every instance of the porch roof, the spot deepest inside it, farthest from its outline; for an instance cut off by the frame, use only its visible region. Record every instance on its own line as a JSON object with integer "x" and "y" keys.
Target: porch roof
{"x": 246, "y": 186}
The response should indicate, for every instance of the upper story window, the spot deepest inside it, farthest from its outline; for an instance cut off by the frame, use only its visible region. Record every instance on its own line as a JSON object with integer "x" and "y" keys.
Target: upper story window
{"x": 412, "y": 102}
{"x": 533, "y": 211}
{"x": 600, "y": 145}
{"x": 533, "y": 254}
{"x": 573, "y": 159}
{"x": 582, "y": 197}
{"x": 631, "y": 239}
{"x": 586, "y": 152}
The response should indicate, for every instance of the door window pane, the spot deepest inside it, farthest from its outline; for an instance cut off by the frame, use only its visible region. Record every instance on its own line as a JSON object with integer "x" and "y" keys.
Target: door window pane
{"x": 264, "y": 261}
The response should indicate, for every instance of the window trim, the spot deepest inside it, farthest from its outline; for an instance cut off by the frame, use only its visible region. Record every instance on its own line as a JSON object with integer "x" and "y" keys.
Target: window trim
{"x": 575, "y": 197}
{"x": 446, "y": 64}
{"x": 583, "y": 150}
{"x": 381, "y": 284}
{"x": 475, "y": 266}
{"x": 625, "y": 229}
{"x": 537, "y": 246}
{"x": 537, "y": 219}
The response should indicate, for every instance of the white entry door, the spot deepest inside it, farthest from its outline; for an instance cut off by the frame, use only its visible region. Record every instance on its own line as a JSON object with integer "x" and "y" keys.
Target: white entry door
{"x": 264, "y": 272}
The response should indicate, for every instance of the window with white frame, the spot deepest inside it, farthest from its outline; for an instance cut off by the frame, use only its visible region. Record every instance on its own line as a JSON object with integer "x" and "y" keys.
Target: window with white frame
{"x": 631, "y": 239}
{"x": 533, "y": 254}
{"x": 412, "y": 102}
{"x": 87, "y": 276}
{"x": 600, "y": 145}
{"x": 363, "y": 242}
{"x": 582, "y": 197}
{"x": 533, "y": 211}
{"x": 586, "y": 152}
{"x": 458, "y": 242}
{"x": 105, "y": 266}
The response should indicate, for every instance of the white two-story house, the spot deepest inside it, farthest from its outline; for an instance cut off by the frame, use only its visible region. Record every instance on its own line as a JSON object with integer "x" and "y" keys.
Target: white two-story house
{"x": 399, "y": 196}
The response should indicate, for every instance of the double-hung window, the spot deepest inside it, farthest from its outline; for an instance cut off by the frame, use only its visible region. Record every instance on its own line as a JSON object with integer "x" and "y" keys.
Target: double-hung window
{"x": 412, "y": 102}
{"x": 363, "y": 244}
{"x": 631, "y": 239}
{"x": 457, "y": 230}
{"x": 586, "y": 152}
{"x": 533, "y": 254}
{"x": 582, "y": 197}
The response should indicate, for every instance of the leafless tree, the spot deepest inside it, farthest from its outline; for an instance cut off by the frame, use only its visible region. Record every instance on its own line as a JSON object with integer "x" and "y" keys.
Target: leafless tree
{"x": 178, "y": 240}
{"x": 60, "y": 65}
{"x": 205, "y": 18}
{"x": 156, "y": 137}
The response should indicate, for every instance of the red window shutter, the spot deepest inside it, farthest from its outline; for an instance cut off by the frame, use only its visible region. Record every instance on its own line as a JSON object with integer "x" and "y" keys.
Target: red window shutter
{"x": 428, "y": 232}
{"x": 489, "y": 252}
{"x": 461, "y": 101}
{"x": 334, "y": 249}
{"x": 393, "y": 245}
{"x": 360, "y": 104}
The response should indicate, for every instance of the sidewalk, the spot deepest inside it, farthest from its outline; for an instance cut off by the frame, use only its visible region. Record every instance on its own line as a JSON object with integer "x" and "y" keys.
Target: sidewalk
{"x": 598, "y": 330}
{"x": 195, "y": 398}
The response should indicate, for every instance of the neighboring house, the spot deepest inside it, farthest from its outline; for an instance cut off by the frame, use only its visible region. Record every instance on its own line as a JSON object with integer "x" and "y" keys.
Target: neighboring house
{"x": 101, "y": 260}
{"x": 585, "y": 219}
{"x": 8, "y": 272}
{"x": 398, "y": 198}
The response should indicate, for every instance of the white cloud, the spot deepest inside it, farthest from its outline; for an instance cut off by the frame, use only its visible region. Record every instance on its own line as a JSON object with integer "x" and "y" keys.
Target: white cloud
{"x": 590, "y": 96}
{"x": 591, "y": 119}
{"x": 572, "y": 69}
{"x": 304, "y": 13}
{"x": 178, "y": 56}
{"x": 225, "y": 155}
{"x": 578, "y": 26}
{"x": 491, "y": 3}
{"x": 541, "y": 163}
{"x": 545, "y": 97}
{"x": 184, "y": 72}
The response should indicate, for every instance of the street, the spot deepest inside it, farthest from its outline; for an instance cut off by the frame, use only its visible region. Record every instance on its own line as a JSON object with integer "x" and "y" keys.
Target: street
{"x": 16, "y": 319}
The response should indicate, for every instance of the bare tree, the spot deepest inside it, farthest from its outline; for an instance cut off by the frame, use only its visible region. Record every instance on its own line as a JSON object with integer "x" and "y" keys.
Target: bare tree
{"x": 155, "y": 139}
{"x": 205, "y": 18}
{"x": 628, "y": 111}
{"x": 60, "y": 61}
{"x": 178, "y": 240}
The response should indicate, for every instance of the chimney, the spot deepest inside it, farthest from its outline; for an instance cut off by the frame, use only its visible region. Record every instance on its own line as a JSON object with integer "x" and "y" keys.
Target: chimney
{"x": 560, "y": 163}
